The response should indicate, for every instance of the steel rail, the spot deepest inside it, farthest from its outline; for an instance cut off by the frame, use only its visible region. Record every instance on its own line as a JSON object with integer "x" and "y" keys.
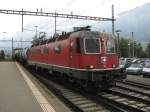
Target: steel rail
{"x": 121, "y": 101}
{"x": 75, "y": 101}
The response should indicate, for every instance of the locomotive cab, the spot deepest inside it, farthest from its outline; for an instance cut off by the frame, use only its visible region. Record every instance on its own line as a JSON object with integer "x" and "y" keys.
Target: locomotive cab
{"x": 95, "y": 51}
{"x": 95, "y": 58}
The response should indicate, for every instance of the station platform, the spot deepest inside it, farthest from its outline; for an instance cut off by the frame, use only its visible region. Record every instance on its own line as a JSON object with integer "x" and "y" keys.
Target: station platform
{"x": 18, "y": 93}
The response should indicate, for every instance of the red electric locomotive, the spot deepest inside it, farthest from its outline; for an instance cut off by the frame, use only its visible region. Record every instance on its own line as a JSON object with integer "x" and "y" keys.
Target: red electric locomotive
{"x": 84, "y": 56}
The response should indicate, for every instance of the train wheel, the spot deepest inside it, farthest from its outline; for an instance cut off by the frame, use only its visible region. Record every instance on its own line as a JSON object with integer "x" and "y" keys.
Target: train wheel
{"x": 64, "y": 78}
{"x": 83, "y": 83}
{"x": 89, "y": 86}
{"x": 104, "y": 86}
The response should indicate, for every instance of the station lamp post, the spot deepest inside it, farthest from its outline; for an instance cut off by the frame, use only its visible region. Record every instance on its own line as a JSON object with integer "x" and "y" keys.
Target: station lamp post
{"x": 118, "y": 43}
{"x": 4, "y": 35}
{"x": 133, "y": 50}
{"x": 129, "y": 49}
{"x": 36, "y": 31}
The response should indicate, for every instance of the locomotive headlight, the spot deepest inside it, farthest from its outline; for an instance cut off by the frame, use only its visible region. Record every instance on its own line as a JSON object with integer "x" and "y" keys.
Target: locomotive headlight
{"x": 103, "y": 59}
{"x": 91, "y": 67}
{"x": 71, "y": 44}
{"x": 114, "y": 66}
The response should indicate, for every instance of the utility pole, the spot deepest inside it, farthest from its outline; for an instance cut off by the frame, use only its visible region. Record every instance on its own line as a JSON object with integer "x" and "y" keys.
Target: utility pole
{"x": 113, "y": 25}
{"x": 22, "y": 19}
{"x": 12, "y": 48}
{"x": 118, "y": 43}
{"x": 129, "y": 47}
{"x": 4, "y": 35}
{"x": 21, "y": 39}
{"x": 36, "y": 31}
{"x": 55, "y": 22}
{"x": 132, "y": 34}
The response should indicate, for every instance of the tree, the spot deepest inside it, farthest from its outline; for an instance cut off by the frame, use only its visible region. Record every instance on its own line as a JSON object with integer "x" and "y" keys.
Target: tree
{"x": 148, "y": 49}
{"x": 39, "y": 39}
{"x": 42, "y": 36}
{"x": 35, "y": 40}
{"x": 124, "y": 48}
{"x": 139, "y": 50}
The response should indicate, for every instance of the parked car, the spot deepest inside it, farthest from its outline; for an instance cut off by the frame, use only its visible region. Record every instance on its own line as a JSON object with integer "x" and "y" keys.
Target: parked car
{"x": 146, "y": 70}
{"x": 143, "y": 62}
{"x": 135, "y": 69}
{"x": 124, "y": 63}
{"x": 135, "y": 60}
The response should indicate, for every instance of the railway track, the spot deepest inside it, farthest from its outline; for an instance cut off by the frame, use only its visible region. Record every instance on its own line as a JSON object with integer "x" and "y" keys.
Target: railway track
{"x": 125, "y": 101}
{"x": 114, "y": 100}
{"x": 134, "y": 87}
{"x": 75, "y": 101}
{"x": 136, "y": 84}
{"x": 78, "y": 101}
{"x": 134, "y": 96}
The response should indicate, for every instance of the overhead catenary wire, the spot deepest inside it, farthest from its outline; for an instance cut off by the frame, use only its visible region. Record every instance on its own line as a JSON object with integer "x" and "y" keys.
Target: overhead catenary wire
{"x": 68, "y": 4}
{"x": 90, "y": 9}
{"x": 96, "y": 6}
{"x": 65, "y": 7}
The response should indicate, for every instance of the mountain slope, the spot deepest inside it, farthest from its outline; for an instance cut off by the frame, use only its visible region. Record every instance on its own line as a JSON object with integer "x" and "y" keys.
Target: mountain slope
{"x": 136, "y": 20}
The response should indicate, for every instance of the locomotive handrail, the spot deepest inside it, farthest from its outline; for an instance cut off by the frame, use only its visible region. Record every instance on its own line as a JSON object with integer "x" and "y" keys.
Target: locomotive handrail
{"x": 63, "y": 36}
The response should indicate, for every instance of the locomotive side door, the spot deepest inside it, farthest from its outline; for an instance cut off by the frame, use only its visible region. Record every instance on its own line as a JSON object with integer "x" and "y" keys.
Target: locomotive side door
{"x": 71, "y": 52}
{"x": 73, "y": 55}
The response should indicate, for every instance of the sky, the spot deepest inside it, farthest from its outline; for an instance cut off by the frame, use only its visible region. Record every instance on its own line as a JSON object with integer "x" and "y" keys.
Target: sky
{"x": 10, "y": 24}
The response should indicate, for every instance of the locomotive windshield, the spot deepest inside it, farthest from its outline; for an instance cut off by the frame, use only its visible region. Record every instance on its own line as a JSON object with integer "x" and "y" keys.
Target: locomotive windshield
{"x": 92, "y": 45}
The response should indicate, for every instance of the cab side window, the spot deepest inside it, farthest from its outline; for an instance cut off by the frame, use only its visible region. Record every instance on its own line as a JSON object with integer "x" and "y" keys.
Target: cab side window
{"x": 45, "y": 50}
{"x": 78, "y": 46}
{"x": 71, "y": 45}
{"x": 57, "y": 49}
{"x": 110, "y": 46}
